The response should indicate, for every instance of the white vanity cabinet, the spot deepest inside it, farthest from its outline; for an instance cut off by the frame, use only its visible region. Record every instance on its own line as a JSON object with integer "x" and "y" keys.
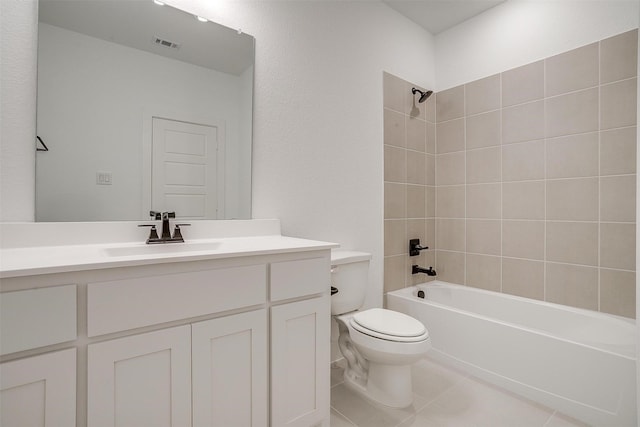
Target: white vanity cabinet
{"x": 236, "y": 341}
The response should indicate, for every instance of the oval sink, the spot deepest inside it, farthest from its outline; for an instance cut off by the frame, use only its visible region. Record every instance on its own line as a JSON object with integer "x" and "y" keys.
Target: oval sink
{"x": 162, "y": 248}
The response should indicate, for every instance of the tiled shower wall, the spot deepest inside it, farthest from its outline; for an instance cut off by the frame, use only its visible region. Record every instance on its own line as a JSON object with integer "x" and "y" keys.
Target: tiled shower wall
{"x": 535, "y": 180}
{"x": 409, "y": 181}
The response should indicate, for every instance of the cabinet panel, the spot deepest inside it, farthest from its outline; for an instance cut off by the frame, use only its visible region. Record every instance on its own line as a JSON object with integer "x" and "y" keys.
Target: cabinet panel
{"x": 300, "y": 362}
{"x": 39, "y": 391}
{"x": 292, "y": 279}
{"x": 230, "y": 371}
{"x": 126, "y": 304}
{"x": 37, "y": 317}
{"x": 142, "y": 380}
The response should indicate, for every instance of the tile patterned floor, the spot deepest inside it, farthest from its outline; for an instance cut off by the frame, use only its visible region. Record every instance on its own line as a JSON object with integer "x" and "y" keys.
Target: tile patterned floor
{"x": 443, "y": 397}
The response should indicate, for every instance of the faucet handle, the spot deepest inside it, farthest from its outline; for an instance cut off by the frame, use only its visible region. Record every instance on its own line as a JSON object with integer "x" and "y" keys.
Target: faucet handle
{"x": 153, "y": 232}
{"x": 168, "y": 215}
{"x": 177, "y": 234}
{"x": 155, "y": 215}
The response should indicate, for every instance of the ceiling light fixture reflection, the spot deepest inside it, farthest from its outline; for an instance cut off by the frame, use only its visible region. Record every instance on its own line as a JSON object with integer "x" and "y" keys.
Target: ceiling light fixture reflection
{"x": 158, "y": 2}
{"x": 201, "y": 19}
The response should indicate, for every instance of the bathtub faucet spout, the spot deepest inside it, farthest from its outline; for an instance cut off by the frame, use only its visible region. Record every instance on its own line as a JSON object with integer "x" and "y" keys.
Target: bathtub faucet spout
{"x": 415, "y": 269}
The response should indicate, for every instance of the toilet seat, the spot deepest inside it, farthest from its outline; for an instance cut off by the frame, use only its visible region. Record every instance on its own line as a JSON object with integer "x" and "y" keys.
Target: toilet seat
{"x": 389, "y": 325}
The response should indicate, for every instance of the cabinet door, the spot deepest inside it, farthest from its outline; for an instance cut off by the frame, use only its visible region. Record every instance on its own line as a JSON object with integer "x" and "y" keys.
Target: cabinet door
{"x": 142, "y": 380}
{"x": 229, "y": 357}
{"x": 39, "y": 391}
{"x": 300, "y": 342}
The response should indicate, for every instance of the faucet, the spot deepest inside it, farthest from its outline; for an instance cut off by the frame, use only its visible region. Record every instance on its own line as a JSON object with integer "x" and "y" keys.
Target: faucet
{"x": 166, "y": 236}
{"x": 415, "y": 269}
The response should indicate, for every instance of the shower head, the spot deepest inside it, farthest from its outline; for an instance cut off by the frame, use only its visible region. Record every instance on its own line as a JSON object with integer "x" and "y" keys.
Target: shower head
{"x": 423, "y": 95}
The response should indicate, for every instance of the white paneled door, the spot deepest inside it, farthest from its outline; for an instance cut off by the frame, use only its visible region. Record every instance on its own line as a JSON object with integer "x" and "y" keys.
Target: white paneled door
{"x": 187, "y": 170}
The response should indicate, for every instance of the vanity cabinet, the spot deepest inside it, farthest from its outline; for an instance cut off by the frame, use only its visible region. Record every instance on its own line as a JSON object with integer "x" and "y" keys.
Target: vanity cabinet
{"x": 240, "y": 341}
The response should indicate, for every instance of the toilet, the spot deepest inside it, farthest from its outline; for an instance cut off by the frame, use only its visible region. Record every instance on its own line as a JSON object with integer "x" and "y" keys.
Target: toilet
{"x": 378, "y": 345}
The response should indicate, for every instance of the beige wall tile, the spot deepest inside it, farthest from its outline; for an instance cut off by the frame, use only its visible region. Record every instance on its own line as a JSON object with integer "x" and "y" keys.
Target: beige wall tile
{"x": 618, "y": 292}
{"x": 430, "y": 229}
{"x": 523, "y": 84}
{"x": 450, "y": 104}
{"x": 618, "y": 151}
{"x": 572, "y": 242}
{"x": 415, "y": 201}
{"x": 416, "y": 167}
{"x": 572, "y": 156}
{"x": 450, "y": 201}
{"x": 618, "y": 246}
{"x": 482, "y": 95}
{"x": 572, "y": 70}
{"x": 524, "y": 122}
{"x": 450, "y": 136}
{"x": 572, "y": 199}
{"x": 523, "y": 200}
{"x": 618, "y": 104}
{"x": 430, "y": 108}
{"x": 431, "y": 138}
{"x": 395, "y": 200}
{"x": 484, "y": 165}
{"x": 430, "y": 196}
{"x": 395, "y": 237}
{"x": 483, "y": 201}
{"x": 524, "y": 278}
{"x": 484, "y": 272}
{"x": 523, "y": 161}
{"x": 395, "y": 268}
{"x": 450, "y": 266}
{"x": 394, "y": 129}
{"x": 430, "y": 172}
{"x": 416, "y": 134}
{"x": 450, "y": 234}
{"x": 395, "y": 164}
{"x": 393, "y": 92}
{"x": 572, "y": 285}
{"x": 575, "y": 112}
{"x": 483, "y": 130}
{"x": 450, "y": 168}
{"x": 619, "y": 57}
{"x": 416, "y": 229}
{"x": 523, "y": 239}
{"x": 618, "y": 198}
{"x": 483, "y": 237}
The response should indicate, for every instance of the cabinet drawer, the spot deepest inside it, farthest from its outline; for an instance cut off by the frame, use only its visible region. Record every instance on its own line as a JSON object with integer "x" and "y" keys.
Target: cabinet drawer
{"x": 126, "y": 304}
{"x": 292, "y": 279}
{"x": 37, "y": 318}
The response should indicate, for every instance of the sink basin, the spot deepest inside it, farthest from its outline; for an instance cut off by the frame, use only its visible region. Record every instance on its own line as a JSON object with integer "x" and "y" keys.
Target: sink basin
{"x": 162, "y": 248}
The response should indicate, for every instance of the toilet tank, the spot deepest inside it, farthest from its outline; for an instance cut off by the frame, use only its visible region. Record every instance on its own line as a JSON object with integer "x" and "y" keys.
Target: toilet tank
{"x": 350, "y": 275}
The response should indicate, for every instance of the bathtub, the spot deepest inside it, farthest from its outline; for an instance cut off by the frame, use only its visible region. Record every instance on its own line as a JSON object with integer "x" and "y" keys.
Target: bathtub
{"x": 579, "y": 362}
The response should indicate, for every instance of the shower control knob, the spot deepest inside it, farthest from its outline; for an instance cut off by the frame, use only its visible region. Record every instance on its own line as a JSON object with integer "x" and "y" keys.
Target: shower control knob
{"x": 415, "y": 248}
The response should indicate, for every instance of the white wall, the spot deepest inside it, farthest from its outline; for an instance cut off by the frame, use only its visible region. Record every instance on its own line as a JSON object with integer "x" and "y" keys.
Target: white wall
{"x": 519, "y": 32}
{"x": 18, "y": 40}
{"x": 318, "y": 123}
{"x": 92, "y": 98}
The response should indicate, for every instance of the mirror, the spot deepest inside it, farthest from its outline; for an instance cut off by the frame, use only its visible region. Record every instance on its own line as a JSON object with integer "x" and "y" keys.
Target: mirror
{"x": 142, "y": 107}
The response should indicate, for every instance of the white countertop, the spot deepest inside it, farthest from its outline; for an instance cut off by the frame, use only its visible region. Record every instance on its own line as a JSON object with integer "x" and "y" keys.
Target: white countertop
{"x": 25, "y": 261}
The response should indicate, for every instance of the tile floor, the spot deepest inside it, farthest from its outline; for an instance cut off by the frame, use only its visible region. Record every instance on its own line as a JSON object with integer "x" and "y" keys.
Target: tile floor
{"x": 443, "y": 397}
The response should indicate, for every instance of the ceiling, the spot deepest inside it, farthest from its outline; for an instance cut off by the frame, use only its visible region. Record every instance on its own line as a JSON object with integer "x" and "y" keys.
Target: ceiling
{"x": 439, "y": 15}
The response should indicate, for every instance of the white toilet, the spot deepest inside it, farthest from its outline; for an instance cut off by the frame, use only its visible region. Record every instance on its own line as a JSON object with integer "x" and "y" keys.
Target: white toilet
{"x": 379, "y": 345}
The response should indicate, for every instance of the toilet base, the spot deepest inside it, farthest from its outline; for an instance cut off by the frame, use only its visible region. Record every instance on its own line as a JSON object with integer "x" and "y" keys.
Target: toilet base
{"x": 388, "y": 385}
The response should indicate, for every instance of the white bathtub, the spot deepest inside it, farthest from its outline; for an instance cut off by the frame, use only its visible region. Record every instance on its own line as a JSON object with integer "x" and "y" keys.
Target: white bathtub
{"x": 579, "y": 362}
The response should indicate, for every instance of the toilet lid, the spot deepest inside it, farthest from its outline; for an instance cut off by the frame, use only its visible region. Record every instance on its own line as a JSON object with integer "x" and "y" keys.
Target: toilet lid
{"x": 391, "y": 323}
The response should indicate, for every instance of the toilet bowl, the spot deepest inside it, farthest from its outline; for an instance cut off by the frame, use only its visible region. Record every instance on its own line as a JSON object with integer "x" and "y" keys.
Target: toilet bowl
{"x": 378, "y": 345}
